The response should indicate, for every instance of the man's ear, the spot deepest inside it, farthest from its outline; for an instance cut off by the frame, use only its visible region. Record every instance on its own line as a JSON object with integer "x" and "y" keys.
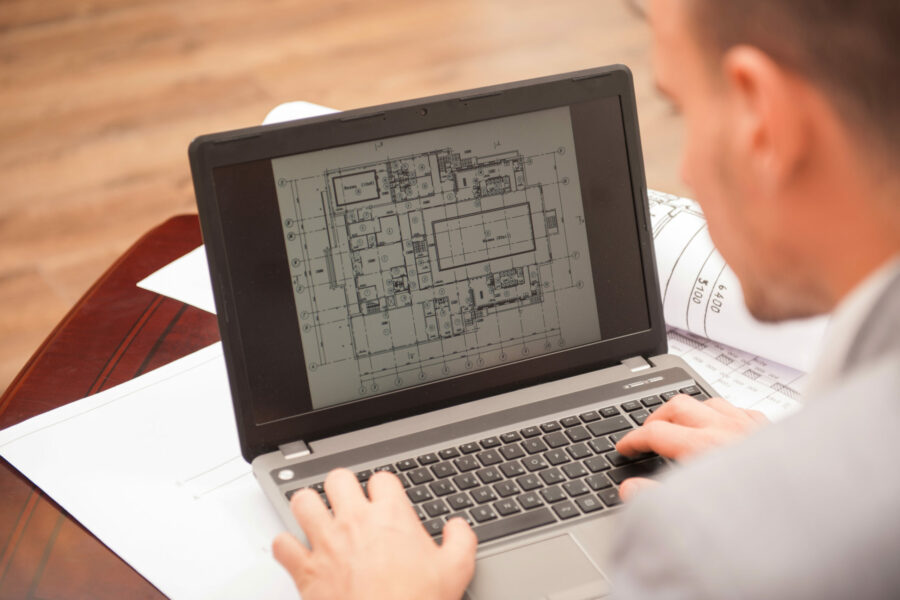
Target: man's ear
{"x": 771, "y": 108}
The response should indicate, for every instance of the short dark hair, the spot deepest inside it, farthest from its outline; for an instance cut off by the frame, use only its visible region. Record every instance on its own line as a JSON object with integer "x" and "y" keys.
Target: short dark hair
{"x": 849, "y": 48}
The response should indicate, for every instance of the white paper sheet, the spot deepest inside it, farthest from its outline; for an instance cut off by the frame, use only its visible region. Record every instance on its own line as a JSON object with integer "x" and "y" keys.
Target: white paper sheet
{"x": 153, "y": 468}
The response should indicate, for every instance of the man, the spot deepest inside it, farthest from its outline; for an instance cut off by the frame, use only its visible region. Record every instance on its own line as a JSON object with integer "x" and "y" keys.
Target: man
{"x": 792, "y": 113}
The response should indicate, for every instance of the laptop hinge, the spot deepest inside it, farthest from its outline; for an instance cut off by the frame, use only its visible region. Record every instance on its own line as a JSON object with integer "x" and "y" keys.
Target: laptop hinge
{"x": 293, "y": 450}
{"x": 636, "y": 363}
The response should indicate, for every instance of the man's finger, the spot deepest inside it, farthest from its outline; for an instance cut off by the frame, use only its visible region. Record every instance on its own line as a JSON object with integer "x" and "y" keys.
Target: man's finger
{"x": 726, "y": 408}
{"x": 458, "y": 550}
{"x": 292, "y": 555}
{"x": 630, "y": 487}
{"x": 665, "y": 438}
{"x": 684, "y": 410}
{"x": 344, "y": 492}
{"x": 385, "y": 486}
{"x": 311, "y": 514}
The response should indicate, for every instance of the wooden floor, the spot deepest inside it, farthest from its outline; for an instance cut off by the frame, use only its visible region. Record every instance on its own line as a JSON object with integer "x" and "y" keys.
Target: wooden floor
{"x": 100, "y": 98}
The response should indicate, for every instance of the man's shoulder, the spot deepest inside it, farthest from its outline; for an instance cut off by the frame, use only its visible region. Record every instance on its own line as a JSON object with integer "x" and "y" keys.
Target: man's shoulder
{"x": 796, "y": 510}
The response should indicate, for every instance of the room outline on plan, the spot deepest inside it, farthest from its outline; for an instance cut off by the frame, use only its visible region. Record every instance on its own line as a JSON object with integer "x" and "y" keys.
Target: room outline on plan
{"x": 419, "y": 267}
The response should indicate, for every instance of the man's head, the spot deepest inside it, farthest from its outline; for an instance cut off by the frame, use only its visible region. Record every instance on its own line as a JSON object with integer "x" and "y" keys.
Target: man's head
{"x": 792, "y": 114}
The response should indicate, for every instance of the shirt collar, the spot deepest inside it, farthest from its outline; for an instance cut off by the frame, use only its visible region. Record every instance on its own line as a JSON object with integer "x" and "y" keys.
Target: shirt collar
{"x": 845, "y": 322}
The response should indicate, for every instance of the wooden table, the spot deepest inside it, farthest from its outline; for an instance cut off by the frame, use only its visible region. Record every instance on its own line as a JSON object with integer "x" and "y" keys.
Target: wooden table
{"x": 114, "y": 333}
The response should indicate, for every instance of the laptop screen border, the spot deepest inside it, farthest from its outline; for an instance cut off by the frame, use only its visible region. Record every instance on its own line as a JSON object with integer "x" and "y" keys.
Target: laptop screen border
{"x": 208, "y": 153}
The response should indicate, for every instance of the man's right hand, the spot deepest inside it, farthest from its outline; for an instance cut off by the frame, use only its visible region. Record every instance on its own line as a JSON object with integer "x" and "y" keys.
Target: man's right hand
{"x": 684, "y": 427}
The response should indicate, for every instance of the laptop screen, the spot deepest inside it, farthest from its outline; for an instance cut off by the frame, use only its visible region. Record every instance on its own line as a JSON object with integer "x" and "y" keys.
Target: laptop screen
{"x": 421, "y": 257}
{"x": 370, "y": 265}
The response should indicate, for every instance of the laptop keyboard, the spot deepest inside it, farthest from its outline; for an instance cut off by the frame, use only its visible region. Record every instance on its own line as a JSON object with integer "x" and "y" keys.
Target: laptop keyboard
{"x": 534, "y": 476}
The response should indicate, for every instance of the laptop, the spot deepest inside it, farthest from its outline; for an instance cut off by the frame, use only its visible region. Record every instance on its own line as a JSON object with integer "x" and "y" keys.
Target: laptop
{"x": 458, "y": 289}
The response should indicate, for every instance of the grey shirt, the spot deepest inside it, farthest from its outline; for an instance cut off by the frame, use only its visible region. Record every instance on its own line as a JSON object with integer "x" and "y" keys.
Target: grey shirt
{"x": 805, "y": 508}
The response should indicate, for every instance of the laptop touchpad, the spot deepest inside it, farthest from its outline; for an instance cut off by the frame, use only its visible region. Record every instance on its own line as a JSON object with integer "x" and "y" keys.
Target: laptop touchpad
{"x": 556, "y": 568}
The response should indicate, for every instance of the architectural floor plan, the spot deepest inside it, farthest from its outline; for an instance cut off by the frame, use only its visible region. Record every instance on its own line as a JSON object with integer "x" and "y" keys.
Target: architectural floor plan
{"x": 455, "y": 250}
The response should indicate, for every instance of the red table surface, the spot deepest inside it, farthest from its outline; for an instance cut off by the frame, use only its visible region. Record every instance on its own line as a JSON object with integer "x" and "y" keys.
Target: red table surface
{"x": 115, "y": 332}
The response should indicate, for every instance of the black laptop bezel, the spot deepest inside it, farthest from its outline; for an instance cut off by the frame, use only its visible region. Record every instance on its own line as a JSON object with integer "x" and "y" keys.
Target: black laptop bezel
{"x": 267, "y": 142}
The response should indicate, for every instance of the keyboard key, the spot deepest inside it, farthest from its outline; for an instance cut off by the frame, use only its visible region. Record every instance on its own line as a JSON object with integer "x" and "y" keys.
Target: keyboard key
{"x": 435, "y": 508}
{"x": 427, "y": 459}
{"x": 506, "y": 507}
{"x": 578, "y": 451}
{"x": 469, "y": 448}
{"x": 651, "y": 401}
{"x": 388, "y": 468}
{"x": 534, "y": 463}
{"x": 552, "y": 494}
{"x": 483, "y": 513}
{"x": 512, "y": 469}
{"x": 578, "y": 434}
{"x": 434, "y": 526}
{"x": 505, "y": 489}
{"x": 448, "y": 453}
{"x": 588, "y": 504}
{"x": 610, "y": 497}
{"x": 691, "y": 390}
{"x": 459, "y": 501}
{"x": 407, "y": 464}
{"x": 509, "y": 437}
{"x": 489, "y": 457}
{"x": 530, "y": 432}
{"x": 570, "y": 421}
{"x": 639, "y": 416}
{"x": 609, "y": 411}
{"x": 556, "y": 457}
{"x": 595, "y": 464}
{"x": 618, "y": 460}
{"x": 640, "y": 469}
{"x": 565, "y": 510}
{"x": 512, "y": 452}
{"x": 534, "y": 446}
{"x": 419, "y": 494}
{"x": 514, "y": 524}
{"x": 489, "y": 475}
{"x": 441, "y": 488}
{"x": 631, "y": 405}
{"x": 668, "y": 395}
{"x": 466, "y": 463}
{"x": 575, "y": 488}
{"x": 614, "y": 438}
{"x": 574, "y": 470}
{"x": 550, "y": 426}
{"x": 608, "y": 426}
{"x": 530, "y": 500}
{"x": 490, "y": 442}
{"x": 404, "y": 480}
{"x": 419, "y": 512}
{"x": 466, "y": 481}
{"x": 551, "y": 476}
{"x": 483, "y": 494}
{"x": 601, "y": 445}
{"x": 420, "y": 476}
{"x": 590, "y": 416}
{"x": 557, "y": 439}
{"x": 364, "y": 475}
{"x": 598, "y": 481}
{"x": 319, "y": 487}
{"x": 462, "y": 515}
{"x": 529, "y": 482}
{"x": 443, "y": 469}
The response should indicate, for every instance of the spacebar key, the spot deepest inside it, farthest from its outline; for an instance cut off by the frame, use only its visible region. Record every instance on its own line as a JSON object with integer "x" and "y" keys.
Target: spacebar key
{"x": 516, "y": 524}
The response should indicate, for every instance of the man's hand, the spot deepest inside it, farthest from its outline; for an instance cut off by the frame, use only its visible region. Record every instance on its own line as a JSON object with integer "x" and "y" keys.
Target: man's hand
{"x": 685, "y": 426}
{"x": 374, "y": 548}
